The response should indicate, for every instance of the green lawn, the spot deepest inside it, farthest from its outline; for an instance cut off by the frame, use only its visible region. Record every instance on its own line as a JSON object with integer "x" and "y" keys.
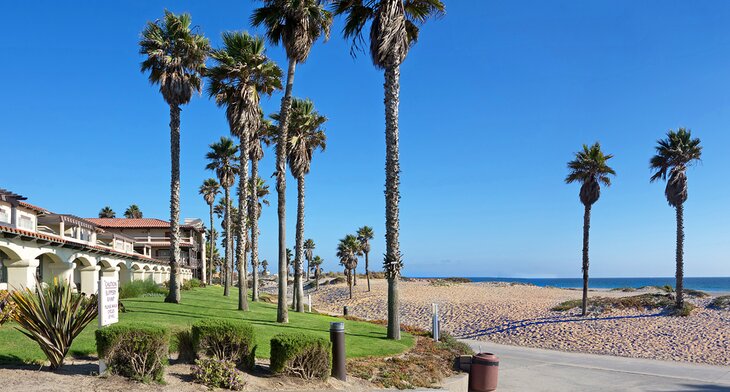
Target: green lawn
{"x": 363, "y": 339}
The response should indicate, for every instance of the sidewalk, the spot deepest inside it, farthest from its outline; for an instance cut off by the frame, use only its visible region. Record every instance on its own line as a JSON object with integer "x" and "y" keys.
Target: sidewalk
{"x": 532, "y": 369}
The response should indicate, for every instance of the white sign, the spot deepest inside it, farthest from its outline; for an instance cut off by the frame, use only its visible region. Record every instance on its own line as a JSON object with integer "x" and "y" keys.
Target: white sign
{"x": 108, "y": 297}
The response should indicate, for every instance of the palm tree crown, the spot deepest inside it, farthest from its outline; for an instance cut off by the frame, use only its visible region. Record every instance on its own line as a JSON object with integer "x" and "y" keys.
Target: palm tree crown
{"x": 673, "y": 155}
{"x": 107, "y": 212}
{"x": 591, "y": 169}
{"x": 133, "y": 212}
{"x": 209, "y": 190}
{"x": 175, "y": 57}
{"x": 305, "y": 135}
{"x": 296, "y": 24}
{"x": 394, "y": 25}
{"x": 364, "y": 235}
{"x": 222, "y": 157}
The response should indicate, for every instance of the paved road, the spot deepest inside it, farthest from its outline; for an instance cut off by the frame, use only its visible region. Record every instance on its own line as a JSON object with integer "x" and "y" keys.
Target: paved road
{"x": 531, "y": 369}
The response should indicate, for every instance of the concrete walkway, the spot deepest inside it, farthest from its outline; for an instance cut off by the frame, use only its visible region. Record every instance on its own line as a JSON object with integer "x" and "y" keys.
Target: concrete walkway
{"x": 532, "y": 369}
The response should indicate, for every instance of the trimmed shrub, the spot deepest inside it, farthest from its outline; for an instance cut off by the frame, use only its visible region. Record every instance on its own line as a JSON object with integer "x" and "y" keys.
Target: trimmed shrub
{"x": 136, "y": 351}
{"x": 226, "y": 340}
{"x": 139, "y": 288}
{"x": 301, "y": 355}
{"x": 191, "y": 284}
{"x": 215, "y": 373}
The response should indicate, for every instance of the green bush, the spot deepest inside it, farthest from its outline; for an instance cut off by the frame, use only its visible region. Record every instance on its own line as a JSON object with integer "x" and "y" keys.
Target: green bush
{"x": 301, "y": 355}
{"x": 215, "y": 373}
{"x": 139, "y": 288}
{"x": 684, "y": 311}
{"x": 191, "y": 284}
{"x": 53, "y": 316}
{"x": 137, "y": 351}
{"x": 720, "y": 303}
{"x": 226, "y": 340}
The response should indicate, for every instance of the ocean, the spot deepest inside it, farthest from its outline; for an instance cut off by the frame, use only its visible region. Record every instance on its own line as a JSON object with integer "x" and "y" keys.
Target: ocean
{"x": 715, "y": 284}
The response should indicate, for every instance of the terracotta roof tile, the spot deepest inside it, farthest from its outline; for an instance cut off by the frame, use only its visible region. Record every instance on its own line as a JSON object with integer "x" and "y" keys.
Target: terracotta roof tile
{"x": 129, "y": 223}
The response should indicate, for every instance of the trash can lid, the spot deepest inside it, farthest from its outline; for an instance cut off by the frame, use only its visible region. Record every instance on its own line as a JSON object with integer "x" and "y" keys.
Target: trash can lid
{"x": 486, "y": 359}
{"x": 337, "y": 326}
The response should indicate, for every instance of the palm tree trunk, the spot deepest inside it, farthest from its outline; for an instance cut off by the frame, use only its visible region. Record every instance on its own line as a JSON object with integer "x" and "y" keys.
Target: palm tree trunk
{"x": 242, "y": 226}
{"x": 254, "y": 218}
{"x": 680, "y": 256}
{"x": 392, "y": 197}
{"x": 586, "y": 231}
{"x": 354, "y": 276}
{"x": 349, "y": 280}
{"x": 299, "y": 252}
{"x": 174, "y": 295}
{"x": 367, "y": 269}
{"x": 282, "y": 313}
{"x": 210, "y": 246}
{"x": 229, "y": 241}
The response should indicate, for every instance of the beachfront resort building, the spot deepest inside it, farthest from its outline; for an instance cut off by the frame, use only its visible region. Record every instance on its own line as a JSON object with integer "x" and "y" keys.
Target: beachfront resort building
{"x": 37, "y": 244}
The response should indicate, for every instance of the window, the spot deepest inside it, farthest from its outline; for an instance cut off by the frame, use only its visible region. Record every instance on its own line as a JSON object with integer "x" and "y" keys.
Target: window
{"x": 4, "y": 216}
{"x": 25, "y": 222}
{"x": 85, "y": 235}
{"x": 163, "y": 252}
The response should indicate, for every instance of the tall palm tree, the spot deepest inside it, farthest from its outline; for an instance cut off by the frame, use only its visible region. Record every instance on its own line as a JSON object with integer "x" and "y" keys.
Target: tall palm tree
{"x": 365, "y": 235}
{"x": 296, "y": 25}
{"x": 305, "y": 136}
{"x": 212, "y": 234}
{"x": 258, "y": 190}
{"x": 394, "y": 28}
{"x": 673, "y": 155}
{"x": 133, "y": 212}
{"x": 589, "y": 168}
{"x": 308, "y": 253}
{"x": 222, "y": 160}
{"x": 241, "y": 73}
{"x": 107, "y": 212}
{"x": 260, "y": 136}
{"x": 209, "y": 190}
{"x": 347, "y": 251}
{"x": 175, "y": 59}
{"x": 316, "y": 263}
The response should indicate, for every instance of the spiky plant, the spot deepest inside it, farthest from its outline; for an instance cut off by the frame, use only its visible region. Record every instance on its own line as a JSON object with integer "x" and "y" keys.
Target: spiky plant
{"x": 394, "y": 29}
{"x": 590, "y": 169}
{"x": 175, "y": 59}
{"x": 673, "y": 155}
{"x": 296, "y": 25}
{"x": 53, "y": 316}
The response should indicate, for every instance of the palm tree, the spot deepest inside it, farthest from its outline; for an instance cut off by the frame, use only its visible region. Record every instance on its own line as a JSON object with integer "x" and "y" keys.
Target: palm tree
{"x": 589, "y": 168}
{"x": 222, "y": 157}
{"x": 673, "y": 155}
{"x": 211, "y": 244}
{"x": 209, "y": 190}
{"x": 242, "y": 72}
{"x": 316, "y": 263}
{"x": 133, "y": 212}
{"x": 347, "y": 251}
{"x": 296, "y": 25}
{"x": 394, "y": 28}
{"x": 175, "y": 59}
{"x": 305, "y": 136}
{"x": 107, "y": 212}
{"x": 364, "y": 235}
{"x": 258, "y": 193}
{"x": 308, "y": 249}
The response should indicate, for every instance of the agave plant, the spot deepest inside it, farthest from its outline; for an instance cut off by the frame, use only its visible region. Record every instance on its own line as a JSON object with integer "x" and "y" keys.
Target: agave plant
{"x": 53, "y": 316}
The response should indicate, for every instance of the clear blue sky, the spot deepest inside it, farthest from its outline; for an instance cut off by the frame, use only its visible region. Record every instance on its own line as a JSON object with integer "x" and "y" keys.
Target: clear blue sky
{"x": 495, "y": 98}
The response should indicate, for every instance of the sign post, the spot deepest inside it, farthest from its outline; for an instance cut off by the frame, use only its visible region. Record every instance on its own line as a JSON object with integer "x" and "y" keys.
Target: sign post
{"x": 108, "y": 297}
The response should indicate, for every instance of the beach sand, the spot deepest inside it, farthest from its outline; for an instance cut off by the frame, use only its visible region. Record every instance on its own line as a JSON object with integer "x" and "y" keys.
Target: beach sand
{"x": 521, "y": 315}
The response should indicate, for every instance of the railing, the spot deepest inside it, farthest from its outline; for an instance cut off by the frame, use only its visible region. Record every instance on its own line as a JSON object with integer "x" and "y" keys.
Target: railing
{"x": 165, "y": 239}
{"x": 184, "y": 260}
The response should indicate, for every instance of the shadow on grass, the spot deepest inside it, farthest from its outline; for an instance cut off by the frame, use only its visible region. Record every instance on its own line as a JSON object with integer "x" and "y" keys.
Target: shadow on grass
{"x": 514, "y": 325}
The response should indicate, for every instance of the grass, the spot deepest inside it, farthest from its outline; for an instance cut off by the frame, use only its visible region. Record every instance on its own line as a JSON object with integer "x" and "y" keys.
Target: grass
{"x": 362, "y": 338}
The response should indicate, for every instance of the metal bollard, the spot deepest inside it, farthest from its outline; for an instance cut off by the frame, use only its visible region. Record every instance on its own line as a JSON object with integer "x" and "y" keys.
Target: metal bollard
{"x": 345, "y": 311}
{"x": 337, "y": 337}
{"x": 309, "y": 302}
{"x": 435, "y": 322}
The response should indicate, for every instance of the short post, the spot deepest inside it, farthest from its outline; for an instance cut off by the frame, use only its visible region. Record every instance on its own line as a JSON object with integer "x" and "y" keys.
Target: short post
{"x": 435, "y": 322}
{"x": 337, "y": 337}
{"x": 309, "y": 302}
{"x": 345, "y": 310}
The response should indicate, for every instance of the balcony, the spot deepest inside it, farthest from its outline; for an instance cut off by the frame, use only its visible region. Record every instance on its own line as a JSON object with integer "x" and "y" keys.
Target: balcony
{"x": 161, "y": 239}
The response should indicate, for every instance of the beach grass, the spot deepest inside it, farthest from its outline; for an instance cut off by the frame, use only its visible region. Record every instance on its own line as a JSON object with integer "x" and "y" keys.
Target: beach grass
{"x": 362, "y": 338}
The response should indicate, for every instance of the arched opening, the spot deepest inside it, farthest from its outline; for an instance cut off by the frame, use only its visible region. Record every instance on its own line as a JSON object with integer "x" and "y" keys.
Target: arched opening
{"x": 125, "y": 275}
{"x": 50, "y": 266}
{"x": 4, "y": 258}
{"x": 79, "y": 264}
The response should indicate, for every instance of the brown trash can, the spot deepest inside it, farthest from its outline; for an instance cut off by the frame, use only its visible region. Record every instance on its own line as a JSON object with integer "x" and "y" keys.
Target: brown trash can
{"x": 483, "y": 372}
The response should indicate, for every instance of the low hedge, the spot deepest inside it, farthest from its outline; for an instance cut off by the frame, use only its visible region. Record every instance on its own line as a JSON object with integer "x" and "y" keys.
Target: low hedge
{"x": 301, "y": 355}
{"x": 137, "y": 351}
{"x": 226, "y": 340}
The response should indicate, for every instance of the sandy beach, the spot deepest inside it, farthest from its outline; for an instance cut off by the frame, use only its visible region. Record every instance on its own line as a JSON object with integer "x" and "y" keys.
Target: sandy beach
{"x": 521, "y": 315}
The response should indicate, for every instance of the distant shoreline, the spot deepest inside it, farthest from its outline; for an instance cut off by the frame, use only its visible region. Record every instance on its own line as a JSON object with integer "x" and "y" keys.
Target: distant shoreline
{"x": 713, "y": 285}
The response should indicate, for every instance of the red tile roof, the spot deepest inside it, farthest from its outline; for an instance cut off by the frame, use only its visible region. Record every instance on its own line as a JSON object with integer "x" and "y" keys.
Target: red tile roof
{"x": 34, "y": 208}
{"x": 141, "y": 223}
